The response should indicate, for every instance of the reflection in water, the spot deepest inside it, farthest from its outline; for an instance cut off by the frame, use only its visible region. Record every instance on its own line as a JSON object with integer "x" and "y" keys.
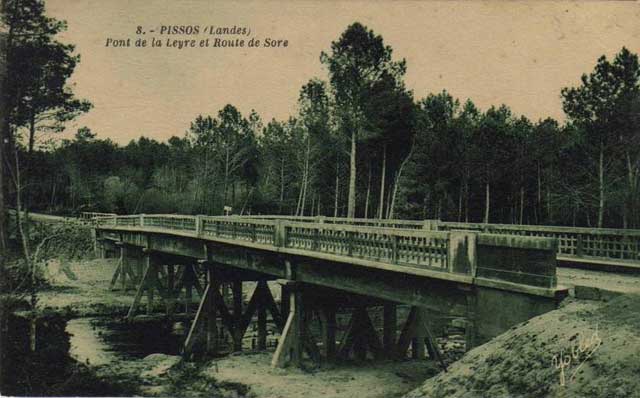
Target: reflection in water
{"x": 99, "y": 341}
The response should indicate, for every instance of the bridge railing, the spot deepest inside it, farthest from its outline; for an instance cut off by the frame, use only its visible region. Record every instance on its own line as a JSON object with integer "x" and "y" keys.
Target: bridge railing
{"x": 607, "y": 243}
{"x": 89, "y": 216}
{"x": 237, "y": 228}
{"x": 525, "y": 260}
{"x": 395, "y": 246}
{"x": 169, "y": 221}
{"x": 577, "y": 242}
{"x": 367, "y": 222}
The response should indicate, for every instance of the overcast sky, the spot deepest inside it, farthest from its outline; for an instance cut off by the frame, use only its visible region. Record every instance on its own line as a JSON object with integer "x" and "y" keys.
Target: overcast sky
{"x": 517, "y": 53}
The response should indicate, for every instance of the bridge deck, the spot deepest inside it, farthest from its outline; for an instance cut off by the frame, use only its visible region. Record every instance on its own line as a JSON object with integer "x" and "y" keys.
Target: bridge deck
{"x": 522, "y": 264}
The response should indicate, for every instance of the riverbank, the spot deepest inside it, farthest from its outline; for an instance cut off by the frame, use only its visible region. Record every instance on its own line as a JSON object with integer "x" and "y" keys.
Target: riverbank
{"x": 583, "y": 349}
{"x": 141, "y": 358}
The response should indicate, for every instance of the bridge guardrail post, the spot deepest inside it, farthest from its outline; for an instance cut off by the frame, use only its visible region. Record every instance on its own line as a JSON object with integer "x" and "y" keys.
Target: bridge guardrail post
{"x": 431, "y": 225}
{"x": 579, "y": 246}
{"x": 461, "y": 253}
{"x": 141, "y": 220}
{"x": 199, "y": 225}
{"x": 394, "y": 249}
{"x": 280, "y": 237}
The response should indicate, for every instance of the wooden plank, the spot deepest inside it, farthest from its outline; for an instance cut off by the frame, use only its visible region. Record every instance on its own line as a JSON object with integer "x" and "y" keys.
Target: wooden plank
{"x": 432, "y": 346}
{"x": 270, "y": 304}
{"x": 245, "y": 318}
{"x": 139, "y": 292}
{"x": 289, "y": 345}
{"x": 408, "y": 332}
{"x": 115, "y": 276}
{"x": 197, "y": 322}
{"x": 212, "y": 329}
{"x": 285, "y": 343}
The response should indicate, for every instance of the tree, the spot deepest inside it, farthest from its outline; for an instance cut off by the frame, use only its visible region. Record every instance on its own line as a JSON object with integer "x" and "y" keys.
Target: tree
{"x": 40, "y": 67}
{"x": 314, "y": 112}
{"x": 602, "y": 108}
{"x": 357, "y": 61}
{"x": 490, "y": 150}
{"x": 4, "y": 133}
{"x": 227, "y": 151}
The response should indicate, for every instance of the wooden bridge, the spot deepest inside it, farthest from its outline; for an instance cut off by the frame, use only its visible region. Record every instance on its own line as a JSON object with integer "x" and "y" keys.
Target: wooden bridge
{"x": 485, "y": 282}
{"x": 482, "y": 278}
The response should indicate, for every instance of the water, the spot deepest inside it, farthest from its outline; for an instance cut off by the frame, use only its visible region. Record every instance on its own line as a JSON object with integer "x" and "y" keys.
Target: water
{"x": 100, "y": 341}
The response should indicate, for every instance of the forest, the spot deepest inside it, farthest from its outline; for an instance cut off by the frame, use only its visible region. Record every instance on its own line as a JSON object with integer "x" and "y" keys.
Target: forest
{"x": 359, "y": 144}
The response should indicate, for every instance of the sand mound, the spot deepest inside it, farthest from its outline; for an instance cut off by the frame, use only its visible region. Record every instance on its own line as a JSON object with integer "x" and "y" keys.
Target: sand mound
{"x": 583, "y": 349}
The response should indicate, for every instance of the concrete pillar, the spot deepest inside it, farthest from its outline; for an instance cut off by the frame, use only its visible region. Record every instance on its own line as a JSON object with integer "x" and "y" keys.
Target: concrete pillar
{"x": 462, "y": 252}
{"x": 430, "y": 225}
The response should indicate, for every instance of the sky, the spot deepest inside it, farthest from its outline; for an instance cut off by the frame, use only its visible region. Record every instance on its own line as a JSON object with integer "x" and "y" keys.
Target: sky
{"x": 519, "y": 53}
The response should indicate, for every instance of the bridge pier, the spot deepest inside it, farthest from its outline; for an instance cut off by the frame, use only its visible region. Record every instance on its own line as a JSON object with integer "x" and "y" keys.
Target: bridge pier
{"x": 166, "y": 282}
{"x": 125, "y": 271}
{"x": 213, "y": 315}
{"x": 361, "y": 339}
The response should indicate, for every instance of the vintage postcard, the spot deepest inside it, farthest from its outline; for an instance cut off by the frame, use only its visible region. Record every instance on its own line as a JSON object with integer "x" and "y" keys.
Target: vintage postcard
{"x": 344, "y": 198}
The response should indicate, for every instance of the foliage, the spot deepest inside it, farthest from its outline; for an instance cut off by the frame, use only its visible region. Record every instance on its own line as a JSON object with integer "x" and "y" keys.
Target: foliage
{"x": 360, "y": 145}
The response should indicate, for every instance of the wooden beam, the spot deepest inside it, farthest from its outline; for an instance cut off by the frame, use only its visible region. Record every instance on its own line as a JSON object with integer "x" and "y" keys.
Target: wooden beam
{"x": 390, "y": 319}
{"x": 212, "y": 311}
{"x": 197, "y": 322}
{"x": 408, "y": 332}
{"x": 141, "y": 288}
{"x": 328, "y": 320}
{"x": 289, "y": 348}
{"x": 262, "y": 291}
{"x": 270, "y": 304}
{"x": 115, "y": 276}
{"x": 237, "y": 314}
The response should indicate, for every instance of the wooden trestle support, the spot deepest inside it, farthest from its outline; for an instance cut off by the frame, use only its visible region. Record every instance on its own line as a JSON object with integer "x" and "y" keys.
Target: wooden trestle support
{"x": 300, "y": 304}
{"x": 174, "y": 284}
{"x": 293, "y": 318}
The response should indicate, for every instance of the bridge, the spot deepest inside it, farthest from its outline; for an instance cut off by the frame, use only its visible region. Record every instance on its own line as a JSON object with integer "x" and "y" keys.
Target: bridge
{"x": 485, "y": 282}
{"x": 480, "y": 278}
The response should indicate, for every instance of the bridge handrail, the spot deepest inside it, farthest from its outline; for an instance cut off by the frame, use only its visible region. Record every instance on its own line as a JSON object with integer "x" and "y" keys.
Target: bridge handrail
{"x": 454, "y": 224}
{"x": 395, "y": 223}
{"x": 573, "y": 242}
{"x": 452, "y": 252}
{"x": 540, "y": 228}
{"x": 90, "y": 215}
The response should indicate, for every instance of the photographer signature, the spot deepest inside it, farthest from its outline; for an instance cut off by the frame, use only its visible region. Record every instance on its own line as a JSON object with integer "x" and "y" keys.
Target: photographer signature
{"x": 580, "y": 351}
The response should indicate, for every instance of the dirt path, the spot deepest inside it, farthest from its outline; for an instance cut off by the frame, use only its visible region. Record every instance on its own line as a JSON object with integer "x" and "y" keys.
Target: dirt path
{"x": 614, "y": 282}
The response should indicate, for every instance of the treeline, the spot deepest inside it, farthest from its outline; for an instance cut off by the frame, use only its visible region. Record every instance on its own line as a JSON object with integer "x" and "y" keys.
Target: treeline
{"x": 360, "y": 144}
